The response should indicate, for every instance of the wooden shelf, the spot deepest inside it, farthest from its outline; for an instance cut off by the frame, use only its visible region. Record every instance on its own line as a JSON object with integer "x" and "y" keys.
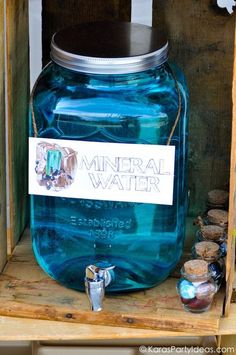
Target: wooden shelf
{"x": 29, "y": 329}
{"x": 27, "y": 292}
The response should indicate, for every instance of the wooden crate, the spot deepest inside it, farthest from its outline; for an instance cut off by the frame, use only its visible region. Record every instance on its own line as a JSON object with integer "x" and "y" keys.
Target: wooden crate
{"x": 3, "y": 239}
{"x": 202, "y": 41}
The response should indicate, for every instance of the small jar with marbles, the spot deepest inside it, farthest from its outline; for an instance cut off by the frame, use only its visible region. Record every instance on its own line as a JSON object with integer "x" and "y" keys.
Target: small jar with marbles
{"x": 211, "y": 253}
{"x": 196, "y": 287}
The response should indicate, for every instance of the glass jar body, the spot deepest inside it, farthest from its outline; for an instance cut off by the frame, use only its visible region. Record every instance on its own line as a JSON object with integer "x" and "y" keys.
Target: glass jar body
{"x": 143, "y": 241}
{"x": 216, "y": 266}
{"x": 196, "y": 293}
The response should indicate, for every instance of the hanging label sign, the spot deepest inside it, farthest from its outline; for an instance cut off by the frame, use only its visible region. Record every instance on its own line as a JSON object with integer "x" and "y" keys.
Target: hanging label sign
{"x": 101, "y": 171}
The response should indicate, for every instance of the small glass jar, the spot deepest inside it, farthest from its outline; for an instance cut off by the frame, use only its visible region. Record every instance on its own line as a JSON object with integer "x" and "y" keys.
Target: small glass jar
{"x": 221, "y": 240}
{"x": 217, "y": 217}
{"x": 211, "y": 253}
{"x": 196, "y": 291}
{"x": 217, "y": 199}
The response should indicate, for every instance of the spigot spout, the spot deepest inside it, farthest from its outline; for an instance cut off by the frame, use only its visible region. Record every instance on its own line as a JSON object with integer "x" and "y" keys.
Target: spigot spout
{"x": 96, "y": 280}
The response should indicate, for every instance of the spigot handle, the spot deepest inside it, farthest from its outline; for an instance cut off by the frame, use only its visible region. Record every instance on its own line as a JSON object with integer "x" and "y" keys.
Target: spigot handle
{"x": 96, "y": 280}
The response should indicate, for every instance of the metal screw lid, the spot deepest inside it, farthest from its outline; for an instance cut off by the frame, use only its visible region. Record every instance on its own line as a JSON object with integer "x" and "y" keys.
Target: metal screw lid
{"x": 109, "y": 48}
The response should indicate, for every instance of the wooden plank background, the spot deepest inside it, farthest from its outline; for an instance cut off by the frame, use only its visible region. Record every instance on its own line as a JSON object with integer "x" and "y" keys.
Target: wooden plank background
{"x": 57, "y": 14}
{"x": 202, "y": 43}
{"x": 17, "y": 102}
{"x": 3, "y": 242}
{"x": 230, "y": 269}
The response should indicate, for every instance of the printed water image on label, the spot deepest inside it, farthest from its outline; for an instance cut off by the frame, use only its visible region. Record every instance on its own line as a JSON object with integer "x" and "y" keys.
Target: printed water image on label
{"x": 101, "y": 171}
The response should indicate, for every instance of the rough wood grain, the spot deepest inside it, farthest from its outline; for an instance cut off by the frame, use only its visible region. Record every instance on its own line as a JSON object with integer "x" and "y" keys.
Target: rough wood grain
{"x": 25, "y": 291}
{"x": 228, "y": 324}
{"x": 229, "y": 341}
{"x": 17, "y": 102}
{"x": 158, "y": 341}
{"x": 230, "y": 269}
{"x": 3, "y": 240}
{"x": 202, "y": 44}
{"x": 31, "y": 329}
{"x": 57, "y": 14}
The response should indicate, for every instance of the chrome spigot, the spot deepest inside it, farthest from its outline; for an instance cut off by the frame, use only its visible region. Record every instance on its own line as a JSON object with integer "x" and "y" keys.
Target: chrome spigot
{"x": 96, "y": 280}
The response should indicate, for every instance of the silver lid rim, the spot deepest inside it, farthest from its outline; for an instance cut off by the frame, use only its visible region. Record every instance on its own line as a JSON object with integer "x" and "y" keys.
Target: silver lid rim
{"x": 98, "y": 65}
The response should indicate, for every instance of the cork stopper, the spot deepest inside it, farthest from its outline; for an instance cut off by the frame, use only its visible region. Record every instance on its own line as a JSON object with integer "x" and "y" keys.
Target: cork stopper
{"x": 196, "y": 267}
{"x": 219, "y": 217}
{"x": 218, "y": 197}
{"x": 212, "y": 232}
{"x": 207, "y": 250}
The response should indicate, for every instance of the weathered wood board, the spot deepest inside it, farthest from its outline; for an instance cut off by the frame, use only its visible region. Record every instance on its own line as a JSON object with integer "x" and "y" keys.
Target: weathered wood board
{"x": 228, "y": 324}
{"x": 201, "y": 37}
{"x": 230, "y": 269}
{"x": 3, "y": 241}
{"x": 13, "y": 329}
{"x": 26, "y": 291}
{"x": 57, "y": 14}
{"x": 17, "y": 104}
{"x": 30, "y": 329}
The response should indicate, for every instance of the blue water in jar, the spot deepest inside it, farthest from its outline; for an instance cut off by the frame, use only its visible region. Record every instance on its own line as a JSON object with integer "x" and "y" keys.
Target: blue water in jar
{"x": 143, "y": 241}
